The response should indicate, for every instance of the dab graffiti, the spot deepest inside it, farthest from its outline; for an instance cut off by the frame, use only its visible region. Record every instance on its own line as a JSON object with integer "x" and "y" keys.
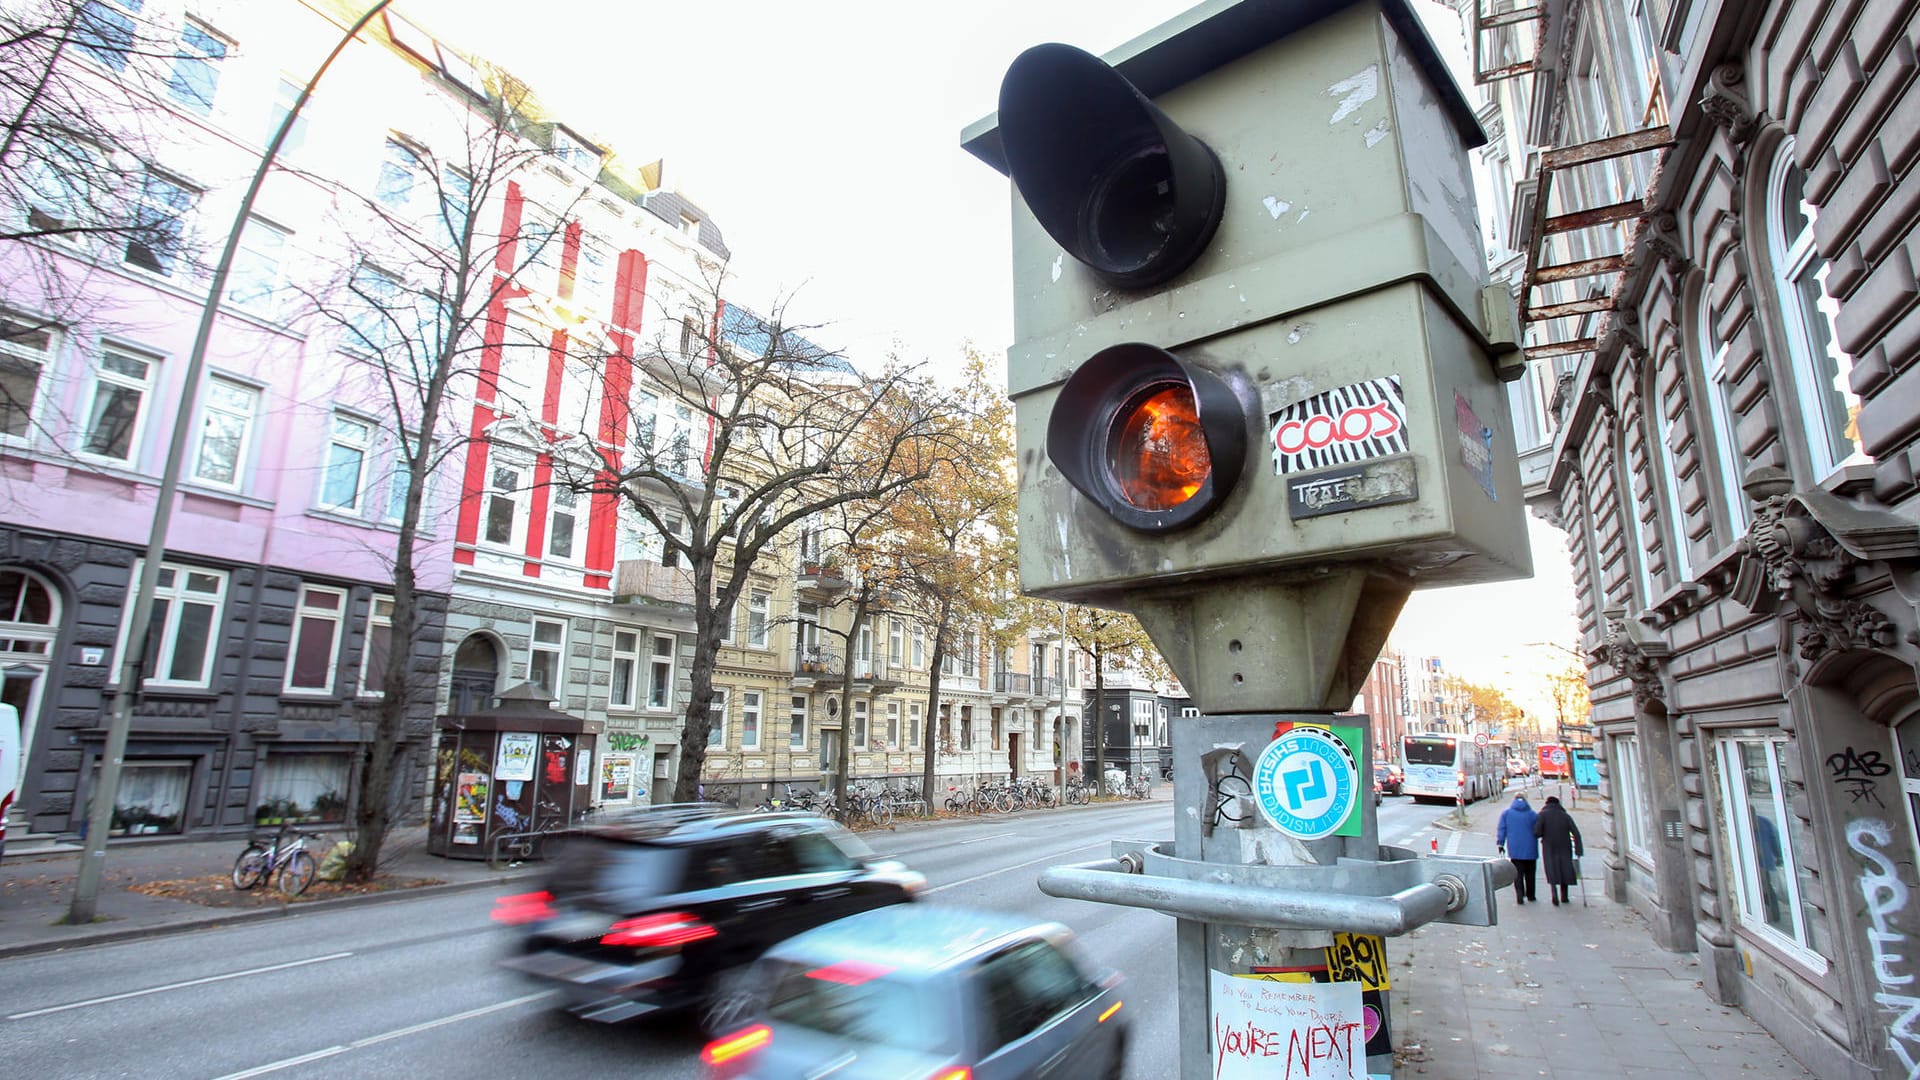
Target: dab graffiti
{"x": 1859, "y": 773}
{"x": 1886, "y": 894}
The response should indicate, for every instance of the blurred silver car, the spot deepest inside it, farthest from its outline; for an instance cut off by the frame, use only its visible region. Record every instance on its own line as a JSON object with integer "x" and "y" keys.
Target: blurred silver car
{"x": 921, "y": 990}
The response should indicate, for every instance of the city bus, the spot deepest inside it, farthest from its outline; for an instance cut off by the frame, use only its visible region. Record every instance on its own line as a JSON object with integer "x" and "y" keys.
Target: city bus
{"x": 1441, "y": 766}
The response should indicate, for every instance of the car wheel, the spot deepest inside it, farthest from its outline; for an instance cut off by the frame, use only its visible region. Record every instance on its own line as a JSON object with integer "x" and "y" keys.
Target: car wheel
{"x": 1118, "y": 1069}
{"x": 732, "y": 998}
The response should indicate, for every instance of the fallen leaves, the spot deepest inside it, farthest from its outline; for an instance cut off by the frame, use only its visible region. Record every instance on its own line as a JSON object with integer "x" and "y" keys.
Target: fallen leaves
{"x": 216, "y": 890}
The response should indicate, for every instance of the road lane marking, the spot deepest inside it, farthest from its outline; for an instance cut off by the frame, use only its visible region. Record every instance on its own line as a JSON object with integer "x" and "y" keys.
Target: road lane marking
{"x": 386, "y": 1036}
{"x": 1015, "y": 866}
{"x": 179, "y": 985}
{"x": 978, "y": 839}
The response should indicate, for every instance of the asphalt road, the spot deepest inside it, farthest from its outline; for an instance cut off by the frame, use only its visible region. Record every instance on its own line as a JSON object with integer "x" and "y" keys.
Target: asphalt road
{"x": 409, "y": 988}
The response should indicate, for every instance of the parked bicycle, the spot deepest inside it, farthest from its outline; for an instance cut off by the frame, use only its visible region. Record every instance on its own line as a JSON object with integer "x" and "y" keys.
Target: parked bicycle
{"x": 286, "y": 855}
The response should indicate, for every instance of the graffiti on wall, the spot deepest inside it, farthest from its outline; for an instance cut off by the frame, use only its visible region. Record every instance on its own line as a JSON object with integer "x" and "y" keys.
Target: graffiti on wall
{"x": 1858, "y": 773}
{"x": 1886, "y": 895}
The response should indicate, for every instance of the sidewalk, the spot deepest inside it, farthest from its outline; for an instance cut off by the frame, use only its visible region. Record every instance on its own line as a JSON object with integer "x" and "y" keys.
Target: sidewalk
{"x": 1575, "y": 992}
{"x": 36, "y": 891}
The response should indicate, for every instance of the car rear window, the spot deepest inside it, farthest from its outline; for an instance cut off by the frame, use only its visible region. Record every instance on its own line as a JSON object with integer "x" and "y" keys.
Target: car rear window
{"x": 859, "y": 1003}
{"x": 609, "y": 866}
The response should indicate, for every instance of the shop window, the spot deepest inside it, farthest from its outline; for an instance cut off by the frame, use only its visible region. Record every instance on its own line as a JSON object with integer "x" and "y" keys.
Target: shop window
{"x": 301, "y": 787}
{"x": 1764, "y": 838}
{"x": 316, "y": 636}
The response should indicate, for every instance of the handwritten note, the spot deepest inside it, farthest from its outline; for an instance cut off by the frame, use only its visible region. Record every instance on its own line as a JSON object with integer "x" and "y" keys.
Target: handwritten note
{"x": 1264, "y": 1030}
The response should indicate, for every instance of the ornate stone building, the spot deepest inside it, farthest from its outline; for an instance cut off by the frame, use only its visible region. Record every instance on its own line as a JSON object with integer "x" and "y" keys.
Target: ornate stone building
{"x": 1708, "y": 211}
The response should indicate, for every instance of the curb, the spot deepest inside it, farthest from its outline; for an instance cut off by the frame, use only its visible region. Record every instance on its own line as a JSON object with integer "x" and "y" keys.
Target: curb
{"x": 113, "y": 936}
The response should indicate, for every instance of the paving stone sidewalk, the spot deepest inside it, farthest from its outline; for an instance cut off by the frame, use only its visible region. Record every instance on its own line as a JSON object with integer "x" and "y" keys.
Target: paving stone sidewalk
{"x": 1575, "y": 992}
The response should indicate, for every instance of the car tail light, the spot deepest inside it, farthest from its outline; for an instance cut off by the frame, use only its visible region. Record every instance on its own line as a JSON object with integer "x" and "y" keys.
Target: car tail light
{"x": 662, "y": 931}
{"x": 1111, "y": 1009}
{"x": 522, "y": 908}
{"x": 1462, "y": 777}
{"x": 963, "y": 1072}
{"x": 738, "y": 1044}
{"x": 849, "y": 972}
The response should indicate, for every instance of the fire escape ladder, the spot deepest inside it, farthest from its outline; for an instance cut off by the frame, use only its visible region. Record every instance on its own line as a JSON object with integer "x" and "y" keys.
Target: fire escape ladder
{"x": 1493, "y": 22}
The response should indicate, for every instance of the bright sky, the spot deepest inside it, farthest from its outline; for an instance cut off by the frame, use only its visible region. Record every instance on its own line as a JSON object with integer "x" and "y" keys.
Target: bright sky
{"x": 823, "y": 138}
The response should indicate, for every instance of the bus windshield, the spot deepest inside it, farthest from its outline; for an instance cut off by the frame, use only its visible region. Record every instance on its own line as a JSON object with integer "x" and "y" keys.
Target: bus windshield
{"x": 1430, "y": 751}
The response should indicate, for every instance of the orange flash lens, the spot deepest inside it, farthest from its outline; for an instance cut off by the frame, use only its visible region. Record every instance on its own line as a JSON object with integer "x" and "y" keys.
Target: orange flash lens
{"x": 1158, "y": 454}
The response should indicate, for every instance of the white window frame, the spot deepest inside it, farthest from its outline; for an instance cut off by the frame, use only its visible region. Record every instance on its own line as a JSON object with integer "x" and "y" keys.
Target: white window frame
{"x": 1681, "y": 557}
{"x": 1713, "y": 359}
{"x": 259, "y": 268}
{"x": 1748, "y": 907}
{"x": 39, "y": 360}
{"x": 660, "y": 670}
{"x": 303, "y": 615}
{"x": 174, "y": 594}
{"x": 1793, "y": 258}
{"x": 212, "y": 408}
{"x": 1629, "y": 791}
{"x": 142, "y": 385}
{"x": 919, "y": 648}
{"x": 630, "y": 655}
{"x": 564, "y": 501}
{"x": 191, "y": 52}
{"x": 400, "y": 481}
{"x": 361, "y": 442}
{"x": 896, "y": 643}
{"x": 375, "y": 619}
{"x": 759, "y": 617}
{"x": 158, "y": 213}
{"x": 860, "y": 725}
{"x": 750, "y": 717}
{"x": 513, "y": 496}
{"x": 286, "y": 91}
{"x": 729, "y": 620}
{"x": 893, "y": 725}
{"x": 797, "y": 722}
{"x": 557, "y": 649}
{"x": 717, "y": 720}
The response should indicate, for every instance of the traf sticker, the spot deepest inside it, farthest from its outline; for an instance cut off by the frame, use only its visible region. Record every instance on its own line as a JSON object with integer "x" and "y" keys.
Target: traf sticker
{"x": 1341, "y": 426}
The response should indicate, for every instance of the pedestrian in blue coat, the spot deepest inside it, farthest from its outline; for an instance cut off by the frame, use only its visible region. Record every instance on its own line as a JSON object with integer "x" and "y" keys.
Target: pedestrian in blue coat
{"x": 1516, "y": 840}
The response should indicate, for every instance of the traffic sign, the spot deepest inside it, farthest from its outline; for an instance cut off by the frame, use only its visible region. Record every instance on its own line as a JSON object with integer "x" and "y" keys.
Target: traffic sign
{"x": 1306, "y": 783}
{"x": 1481, "y": 739}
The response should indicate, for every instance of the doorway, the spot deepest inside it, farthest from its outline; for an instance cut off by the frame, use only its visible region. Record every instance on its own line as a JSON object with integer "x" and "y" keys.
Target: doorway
{"x": 1013, "y": 754}
{"x": 476, "y": 676}
{"x": 29, "y": 623}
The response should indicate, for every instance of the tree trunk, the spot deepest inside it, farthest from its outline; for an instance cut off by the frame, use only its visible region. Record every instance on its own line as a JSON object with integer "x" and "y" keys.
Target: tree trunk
{"x": 699, "y": 720}
{"x": 1099, "y": 724}
{"x": 928, "y": 735}
{"x": 842, "y": 769}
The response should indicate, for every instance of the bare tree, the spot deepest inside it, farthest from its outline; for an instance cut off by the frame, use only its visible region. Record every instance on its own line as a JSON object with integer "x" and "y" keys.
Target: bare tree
{"x": 432, "y": 251}
{"x": 1111, "y": 639}
{"x": 741, "y": 430}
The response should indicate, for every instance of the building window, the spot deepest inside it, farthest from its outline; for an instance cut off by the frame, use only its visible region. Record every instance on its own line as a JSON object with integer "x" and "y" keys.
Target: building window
{"x": 758, "y": 607}
{"x": 562, "y": 521}
{"x": 1764, "y": 836}
{"x": 896, "y": 643}
{"x": 625, "y": 676}
{"x": 378, "y": 647}
{"x": 196, "y": 68}
{"x": 1680, "y": 565}
{"x": 284, "y": 95}
{"x": 302, "y": 788}
{"x": 226, "y": 422}
{"x": 400, "y": 168}
{"x": 346, "y": 464}
{"x": 717, "y": 720}
{"x": 893, "y": 725}
{"x": 184, "y": 626}
{"x": 797, "y": 722}
{"x": 1629, "y": 792}
{"x": 574, "y": 154}
{"x": 546, "y": 665}
{"x": 726, "y": 617}
{"x": 1713, "y": 355}
{"x": 1821, "y": 368}
{"x": 152, "y": 797}
{"x": 860, "y": 725}
{"x": 750, "y": 720}
{"x": 660, "y": 673}
{"x": 400, "y": 479}
{"x": 158, "y": 224}
{"x": 105, "y": 32}
{"x": 374, "y": 298}
{"x": 919, "y": 648}
{"x": 316, "y": 636}
{"x": 24, "y": 351}
{"x": 255, "y": 280}
{"x": 118, "y": 411}
{"x": 913, "y": 724}
{"x": 503, "y": 508}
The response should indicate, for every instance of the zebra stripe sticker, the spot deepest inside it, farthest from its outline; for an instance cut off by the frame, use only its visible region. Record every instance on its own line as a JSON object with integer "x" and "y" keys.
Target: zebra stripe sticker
{"x": 1341, "y": 426}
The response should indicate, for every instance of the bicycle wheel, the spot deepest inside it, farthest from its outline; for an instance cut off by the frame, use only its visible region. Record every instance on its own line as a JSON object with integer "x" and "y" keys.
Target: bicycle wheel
{"x": 1003, "y": 801}
{"x": 883, "y": 812}
{"x": 298, "y": 872}
{"x": 250, "y": 867}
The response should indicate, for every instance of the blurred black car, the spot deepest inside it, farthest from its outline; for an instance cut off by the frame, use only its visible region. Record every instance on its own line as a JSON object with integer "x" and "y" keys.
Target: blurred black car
{"x": 1391, "y": 778}
{"x": 665, "y": 908}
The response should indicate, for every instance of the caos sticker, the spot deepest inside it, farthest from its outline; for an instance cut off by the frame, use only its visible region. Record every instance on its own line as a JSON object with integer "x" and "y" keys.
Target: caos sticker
{"x": 1343, "y": 425}
{"x": 1305, "y": 783}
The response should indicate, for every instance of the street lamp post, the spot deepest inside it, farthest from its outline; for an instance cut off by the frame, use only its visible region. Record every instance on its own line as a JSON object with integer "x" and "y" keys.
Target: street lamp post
{"x": 106, "y": 793}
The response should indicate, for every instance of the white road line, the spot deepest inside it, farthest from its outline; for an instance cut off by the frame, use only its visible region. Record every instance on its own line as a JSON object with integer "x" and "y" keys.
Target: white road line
{"x": 180, "y": 985}
{"x": 397, "y": 1033}
{"x": 1015, "y": 866}
{"x": 978, "y": 839}
{"x": 1453, "y": 843}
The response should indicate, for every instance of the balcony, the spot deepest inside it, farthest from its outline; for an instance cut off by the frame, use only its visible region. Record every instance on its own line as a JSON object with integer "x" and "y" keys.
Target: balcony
{"x": 821, "y": 577}
{"x": 814, "y": 665}
{"x": 873, "y": 676}
{"x": 1012, "y": 687}
{"x": 1046, "y": 687}
{"x": 643, "y": 581}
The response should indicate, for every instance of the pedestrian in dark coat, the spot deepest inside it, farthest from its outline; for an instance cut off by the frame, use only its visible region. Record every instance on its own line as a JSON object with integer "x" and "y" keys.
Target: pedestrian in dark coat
{"x": 1560, "y": 845}
{"x": 1516, "y": 840}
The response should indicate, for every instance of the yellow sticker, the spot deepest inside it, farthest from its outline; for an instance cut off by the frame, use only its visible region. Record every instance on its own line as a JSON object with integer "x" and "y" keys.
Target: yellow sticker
{"x": 1360, "y": 958}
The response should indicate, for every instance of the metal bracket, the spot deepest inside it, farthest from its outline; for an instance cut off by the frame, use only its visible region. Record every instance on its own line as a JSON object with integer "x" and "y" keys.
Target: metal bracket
{"x": 1389, "y": 897}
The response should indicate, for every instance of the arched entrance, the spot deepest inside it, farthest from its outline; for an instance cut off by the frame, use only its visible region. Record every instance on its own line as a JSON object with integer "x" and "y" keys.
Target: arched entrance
{"x": 476, "y": 676}
{"x": 29, "y": 623}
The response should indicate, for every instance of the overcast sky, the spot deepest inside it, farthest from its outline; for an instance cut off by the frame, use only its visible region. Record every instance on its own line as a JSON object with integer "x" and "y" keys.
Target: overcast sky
{"x": 823, "y": 138}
